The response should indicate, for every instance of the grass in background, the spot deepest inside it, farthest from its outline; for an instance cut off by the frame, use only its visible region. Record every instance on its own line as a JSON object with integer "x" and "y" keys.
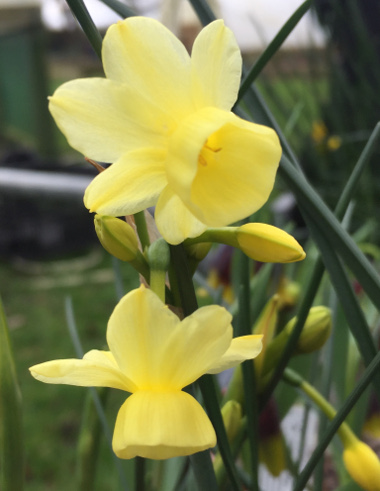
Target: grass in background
{"x": 52, "y": 414}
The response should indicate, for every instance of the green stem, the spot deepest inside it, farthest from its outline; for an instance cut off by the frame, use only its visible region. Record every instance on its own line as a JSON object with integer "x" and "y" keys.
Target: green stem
{"x": 293, "y": 378}
{"x": 157, "y": 283}
{"x": 206, "y": 383}
{"x": 159, "y": 260}
{"x": 140, "y": 474}
{"x": 142, "y": 229}
{"x": 244, "y": 327}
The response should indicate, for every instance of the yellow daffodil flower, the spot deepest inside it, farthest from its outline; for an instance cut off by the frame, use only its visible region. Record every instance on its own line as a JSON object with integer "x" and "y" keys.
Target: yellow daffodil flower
{"x": 163, "y": 119}
{"x": 153, "y": 355}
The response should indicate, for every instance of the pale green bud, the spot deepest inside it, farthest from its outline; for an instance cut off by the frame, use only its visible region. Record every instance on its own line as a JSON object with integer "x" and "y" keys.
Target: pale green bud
{"x": 232, "y": 415}
{"x": 314, "y": 334}
{"x": 316, "y": 331}
{"x": 117, "y": 237}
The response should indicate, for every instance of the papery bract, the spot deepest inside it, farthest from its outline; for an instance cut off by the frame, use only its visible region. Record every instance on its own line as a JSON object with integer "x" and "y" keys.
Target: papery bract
{"x": 163, "y": 120}
{"x": 154, "y": 355}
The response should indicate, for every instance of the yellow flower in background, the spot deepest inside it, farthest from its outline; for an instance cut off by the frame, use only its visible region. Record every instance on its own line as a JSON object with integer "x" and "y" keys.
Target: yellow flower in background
{"x": 163, "y": 119}
{"x": 153, "y": 355}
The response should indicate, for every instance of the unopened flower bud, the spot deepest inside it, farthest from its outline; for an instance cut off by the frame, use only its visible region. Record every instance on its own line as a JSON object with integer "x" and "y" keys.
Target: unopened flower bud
{"x": 362, "y": 464}
{"x": 159, "y": 255}
{"x": 258, "y": 241}
{"x": 316, "y": 330}
{"x": 314, "y": 334}
{"x": 117, "y": 237}
{"x": 232, "y": 414}
{"x": 288, "y": 293}
{"x": 266, "y": 243}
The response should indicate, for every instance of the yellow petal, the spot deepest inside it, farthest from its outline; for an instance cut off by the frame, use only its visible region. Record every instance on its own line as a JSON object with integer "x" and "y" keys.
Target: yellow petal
{"x": 222, "y": 168}
{"x": 206, "y": 336}
{"x": 174, "y": 221}
{"x": 131, "y": 184}
{"x": 241, "y": 349}
{"x": 104, "y": 119}
{"x": 147, "y": 57}
{"x": 216, "y": 67}
{"x": 97, "y": 369}
{"x": 158, "y": 351}
{"x": 159, "y": 425}
{"x": 137, "y": 331}
{"x": 266, "y": 243}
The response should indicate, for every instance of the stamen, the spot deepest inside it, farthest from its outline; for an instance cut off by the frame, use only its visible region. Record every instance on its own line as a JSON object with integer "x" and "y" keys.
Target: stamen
{"x": 215, "y": 150}
{"x": 97, "y": 166}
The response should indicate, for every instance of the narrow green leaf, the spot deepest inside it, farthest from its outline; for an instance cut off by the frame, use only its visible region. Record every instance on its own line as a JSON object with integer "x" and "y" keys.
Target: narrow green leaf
{"x": 339, "y": 239}
{"x": 11, "y": 433}
{"x": 203, "y": 11}
{"x": 273, "y": 47}
{"x": 308, "y": 198}
{"x": 261, "y": 114}
{"x": 348, "y": 300}
{"x": 82, "y": 15}
{"x": 333, "y": 427}
{"x": 120, "y": 8}
{"x": 364, "y": 159}
{"x": 316, "y": 276}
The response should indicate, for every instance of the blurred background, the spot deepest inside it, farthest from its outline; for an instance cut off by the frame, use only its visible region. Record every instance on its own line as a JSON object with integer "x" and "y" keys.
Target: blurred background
{"x": 322, "y": 87}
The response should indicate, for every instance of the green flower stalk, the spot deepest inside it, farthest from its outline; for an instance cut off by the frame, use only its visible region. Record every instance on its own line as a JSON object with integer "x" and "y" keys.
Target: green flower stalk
{"x": 361, "y": 462}
{"x": 119, "y": 239}
{"x": 235, "y": 424}
{"x": 159, "y": 260}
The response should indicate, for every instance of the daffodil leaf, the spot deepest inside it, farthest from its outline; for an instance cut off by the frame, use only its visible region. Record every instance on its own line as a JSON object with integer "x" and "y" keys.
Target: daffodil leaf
{"x": 318, "y": 270}
{"x": 120, "y": 8}
{"x": 353, "y": 313}
{"x": 82, "y": 15}
{"x": 11, "y": 438}
{"x": 203, "y": 10}
{"x": 273, "y": 47}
